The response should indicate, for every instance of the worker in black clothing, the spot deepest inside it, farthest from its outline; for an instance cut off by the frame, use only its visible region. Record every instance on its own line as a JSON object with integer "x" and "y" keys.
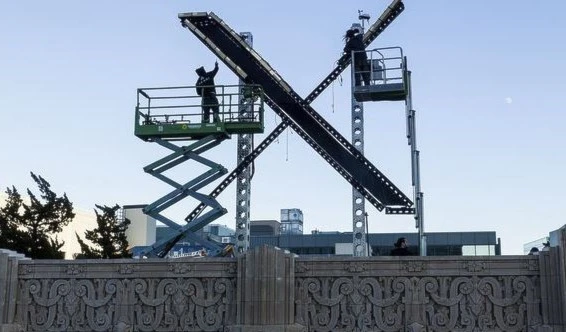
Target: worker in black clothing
{"x": 354, "y": 42}
{"x": 401, "y": 248}
{"x": 205, "y": 88}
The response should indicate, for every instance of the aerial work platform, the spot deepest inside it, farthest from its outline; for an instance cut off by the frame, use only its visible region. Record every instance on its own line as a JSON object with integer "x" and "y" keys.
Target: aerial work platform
{"x": 387, "y": 72}
{"x": 175, "y": 113}
{"x": 178, "y": 114}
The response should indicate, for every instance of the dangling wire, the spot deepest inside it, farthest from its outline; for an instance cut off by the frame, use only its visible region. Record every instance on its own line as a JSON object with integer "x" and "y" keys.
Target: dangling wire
{"x": 339, "y": 76}
{"x": 287, "y": 147}
{"x": 339, "y": 79}
{"x": 252, "y": 166}
{"x": 276, "y": 124}
{"x": 332, "y": 97}
{"x": 333, "y": 83}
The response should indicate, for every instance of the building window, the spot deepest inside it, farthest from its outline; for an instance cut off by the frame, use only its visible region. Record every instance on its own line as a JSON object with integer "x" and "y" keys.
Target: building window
{"x": 478, "y": 250}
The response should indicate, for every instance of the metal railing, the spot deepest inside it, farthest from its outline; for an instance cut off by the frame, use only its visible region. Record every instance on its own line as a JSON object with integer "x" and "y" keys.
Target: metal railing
{"x": 182, "y": 105}
{"x": 385, "y": 65}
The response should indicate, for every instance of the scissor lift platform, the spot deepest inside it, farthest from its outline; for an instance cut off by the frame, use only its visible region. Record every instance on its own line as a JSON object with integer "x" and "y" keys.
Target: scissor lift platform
{"x": 175, "y": 113}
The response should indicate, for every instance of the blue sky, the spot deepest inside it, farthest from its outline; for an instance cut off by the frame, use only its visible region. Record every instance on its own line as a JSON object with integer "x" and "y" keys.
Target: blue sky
{"x": 487, "y": 87}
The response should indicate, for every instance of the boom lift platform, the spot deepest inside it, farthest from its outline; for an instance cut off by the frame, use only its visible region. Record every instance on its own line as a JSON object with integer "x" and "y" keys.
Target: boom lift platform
{"x": 388, "y": 79}
{"x": 388, "y": 75}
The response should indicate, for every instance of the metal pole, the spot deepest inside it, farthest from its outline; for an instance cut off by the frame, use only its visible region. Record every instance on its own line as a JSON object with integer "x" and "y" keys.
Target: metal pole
{"x": 359, "y": 227}
{"x": 415, "y": 165}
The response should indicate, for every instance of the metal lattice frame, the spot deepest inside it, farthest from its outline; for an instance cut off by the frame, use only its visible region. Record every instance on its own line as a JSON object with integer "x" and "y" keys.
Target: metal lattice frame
{"x": 243, "y": 185}
{"x": 359, "y": 220}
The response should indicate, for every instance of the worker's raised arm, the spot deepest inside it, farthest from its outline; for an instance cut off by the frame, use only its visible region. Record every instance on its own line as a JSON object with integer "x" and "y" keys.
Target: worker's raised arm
{"x": 215, "y": 70}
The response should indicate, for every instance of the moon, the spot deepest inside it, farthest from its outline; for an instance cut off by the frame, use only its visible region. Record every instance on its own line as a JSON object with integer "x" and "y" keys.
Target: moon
{"x": 508, "y": 100}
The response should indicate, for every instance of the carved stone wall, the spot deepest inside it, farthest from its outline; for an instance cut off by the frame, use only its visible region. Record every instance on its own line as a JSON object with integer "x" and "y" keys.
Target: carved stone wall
{"x": 419, "y": 294}
{"x": 127, "y": 295}
{"x": 270, "y": 290}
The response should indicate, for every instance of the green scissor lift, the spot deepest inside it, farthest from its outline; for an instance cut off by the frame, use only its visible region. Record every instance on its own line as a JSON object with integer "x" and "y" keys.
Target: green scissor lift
{"x": 168, "y": 114}
{"x": 174, "y": 113}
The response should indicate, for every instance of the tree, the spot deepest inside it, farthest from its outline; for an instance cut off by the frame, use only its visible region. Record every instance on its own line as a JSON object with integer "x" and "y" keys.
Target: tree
{"x": 10, "y": 237}
{"x": 109, "y": 238}
{"x": 31, "y": 227}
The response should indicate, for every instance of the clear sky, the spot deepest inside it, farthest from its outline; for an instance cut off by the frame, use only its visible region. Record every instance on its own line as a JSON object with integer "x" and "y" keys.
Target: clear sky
{"x": 488, "y": 88}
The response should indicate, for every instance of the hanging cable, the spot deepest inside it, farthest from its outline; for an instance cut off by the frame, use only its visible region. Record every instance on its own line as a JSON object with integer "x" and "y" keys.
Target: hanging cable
{"x": 287, "y": 147}
{"x": 252, "y": 166}
{"x": 276, "y": 124}
{"x": 332, "y": 97}
{"x": 339, "y": 79}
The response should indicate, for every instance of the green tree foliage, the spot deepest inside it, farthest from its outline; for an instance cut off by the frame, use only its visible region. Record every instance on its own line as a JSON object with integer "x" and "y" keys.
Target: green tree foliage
{"x": 30, "y": 228}
{"x": 109, "y": 238}
{"x": 10, "y": 218}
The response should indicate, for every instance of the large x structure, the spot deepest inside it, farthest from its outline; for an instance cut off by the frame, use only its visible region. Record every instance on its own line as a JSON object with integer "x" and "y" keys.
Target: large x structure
{"x": 296, "y": 112}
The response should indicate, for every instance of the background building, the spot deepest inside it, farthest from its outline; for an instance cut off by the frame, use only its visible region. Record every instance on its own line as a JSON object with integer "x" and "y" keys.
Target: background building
{"x": 291, "y": 221}
{"x": 288, "y": 234}
{"x": 538, "y": 243}
{"x": 141, "y": 231}
{"x": 336, "y": 243}
{"x": 265, "y": 227}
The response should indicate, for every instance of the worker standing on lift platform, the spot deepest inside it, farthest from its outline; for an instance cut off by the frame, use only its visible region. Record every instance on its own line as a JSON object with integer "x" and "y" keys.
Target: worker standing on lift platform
{"x": 354, "y": 42}
{"x": 205, "y": 88}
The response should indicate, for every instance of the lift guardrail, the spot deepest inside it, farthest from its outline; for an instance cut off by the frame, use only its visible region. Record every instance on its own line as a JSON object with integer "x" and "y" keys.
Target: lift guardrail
{"x": 175, "y": 113}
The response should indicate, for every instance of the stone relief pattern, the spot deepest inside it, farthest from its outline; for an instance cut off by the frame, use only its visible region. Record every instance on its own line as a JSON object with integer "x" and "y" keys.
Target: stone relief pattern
{"x": 444, "y": 304}
{"x": 179, "y": 304}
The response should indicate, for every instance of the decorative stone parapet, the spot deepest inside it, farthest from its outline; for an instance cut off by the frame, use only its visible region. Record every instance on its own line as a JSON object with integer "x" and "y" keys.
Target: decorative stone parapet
{"x": 419, "y": 293}
{"x": 127, "y": 295}
{"x": 266, "y": 297}
{"x": 8, "y": 289}
{"x": 271, "y": 290}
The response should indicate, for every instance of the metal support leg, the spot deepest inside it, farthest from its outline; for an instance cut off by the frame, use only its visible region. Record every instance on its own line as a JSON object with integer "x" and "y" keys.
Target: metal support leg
{"x": 359, "y": 216}
{"x": 243, "y": 185}
{"x": 179, "y": 155}
{"x": 415, "y": 168}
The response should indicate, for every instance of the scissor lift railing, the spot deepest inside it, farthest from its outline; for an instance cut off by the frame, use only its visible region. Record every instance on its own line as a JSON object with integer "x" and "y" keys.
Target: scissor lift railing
{"x": 175, "y": 113}
{"x": 171, "y": 114}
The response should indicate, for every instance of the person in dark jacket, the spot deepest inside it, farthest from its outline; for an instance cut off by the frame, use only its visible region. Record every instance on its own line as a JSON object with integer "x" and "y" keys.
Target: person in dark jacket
{"x": 205, "y": 88}
{"x": 401, "y": 248}
{"x": 354, "y": 42}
